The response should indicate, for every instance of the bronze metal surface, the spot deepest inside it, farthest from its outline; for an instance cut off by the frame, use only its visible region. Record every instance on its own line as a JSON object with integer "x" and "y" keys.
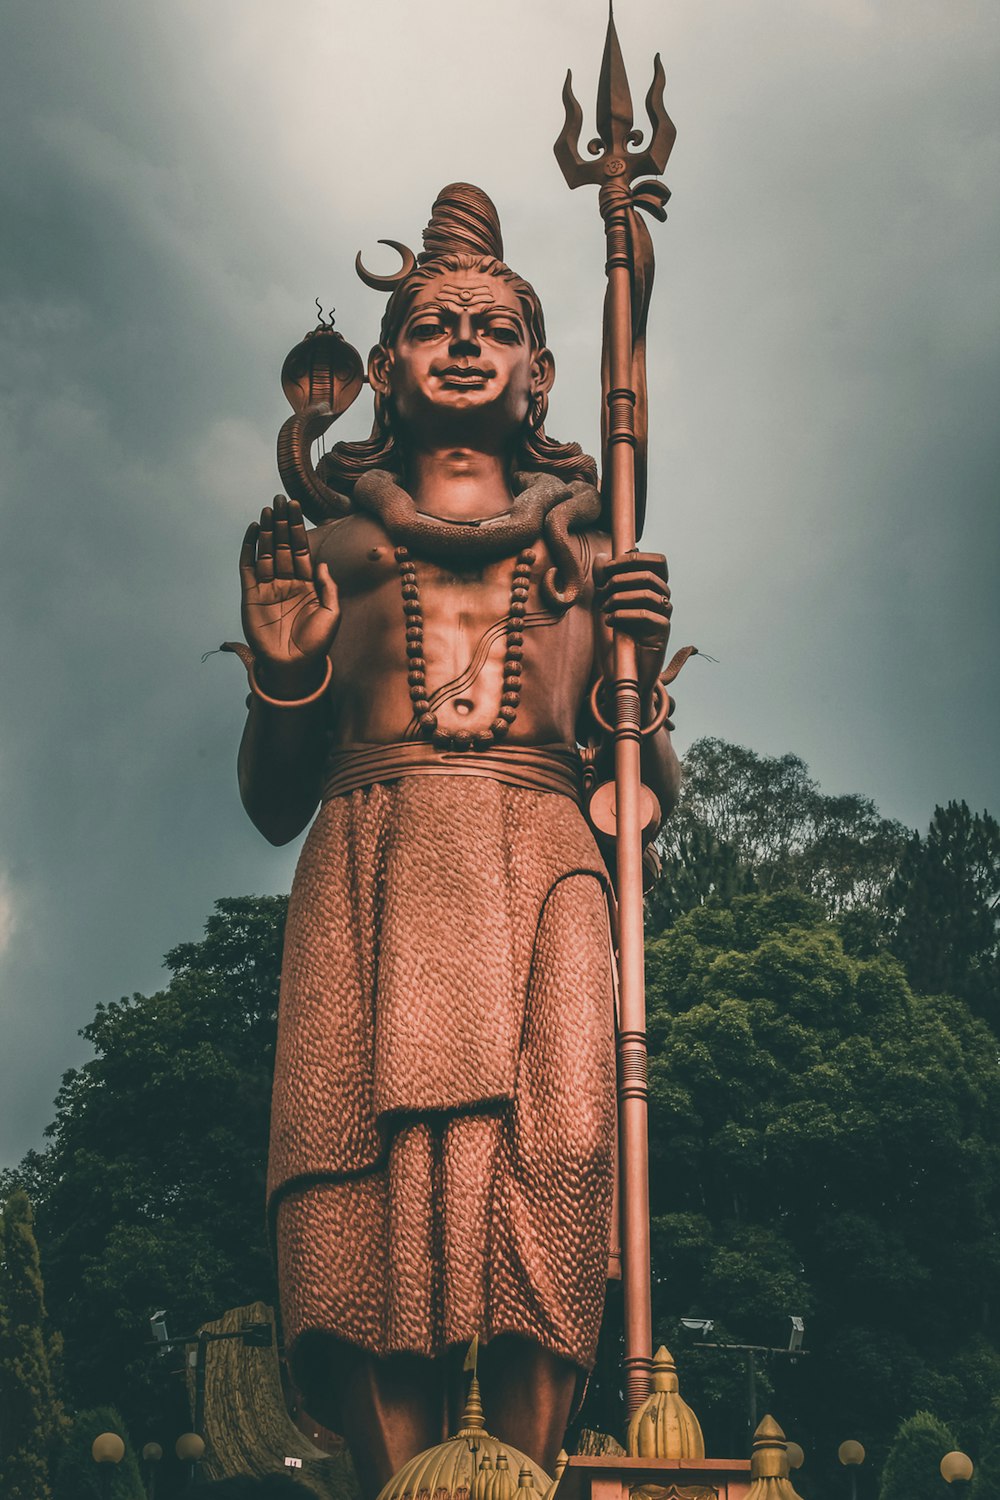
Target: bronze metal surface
{"x": 442, "y": 1149}
{"x": 629, "y": 272}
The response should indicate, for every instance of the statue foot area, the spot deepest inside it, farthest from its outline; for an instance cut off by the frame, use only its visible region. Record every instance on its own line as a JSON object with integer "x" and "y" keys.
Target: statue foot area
{"x": 390, "y": 1410}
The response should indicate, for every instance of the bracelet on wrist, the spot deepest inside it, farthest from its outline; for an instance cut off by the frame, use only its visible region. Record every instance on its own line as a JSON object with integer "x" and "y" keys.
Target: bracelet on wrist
{"x": 313, "y": 697}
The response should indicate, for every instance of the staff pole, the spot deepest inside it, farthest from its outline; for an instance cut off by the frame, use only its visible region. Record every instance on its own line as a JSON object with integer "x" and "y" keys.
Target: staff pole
{"x": 629, "y": 271}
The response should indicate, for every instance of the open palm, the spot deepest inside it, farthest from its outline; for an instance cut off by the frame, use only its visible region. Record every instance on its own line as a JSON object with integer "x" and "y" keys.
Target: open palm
{"x": 290, "y": 616}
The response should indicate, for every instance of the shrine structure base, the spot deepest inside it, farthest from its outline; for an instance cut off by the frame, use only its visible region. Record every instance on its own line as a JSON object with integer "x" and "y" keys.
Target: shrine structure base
{"x": 615, "y": 1477}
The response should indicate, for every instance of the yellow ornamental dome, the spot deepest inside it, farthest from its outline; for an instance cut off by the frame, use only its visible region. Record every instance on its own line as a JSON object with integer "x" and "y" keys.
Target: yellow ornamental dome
{"x": 665, "y": 1426}
{"x": 472, "y": 1465}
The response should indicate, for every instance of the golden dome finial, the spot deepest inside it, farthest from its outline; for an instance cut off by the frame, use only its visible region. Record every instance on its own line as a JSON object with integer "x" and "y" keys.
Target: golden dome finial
{"x": 664, "y": 1371}
{"x": 482, "y": 1479}
{"x": 665, "y": 1426}
{"x": 562, "y": 1459}
{"x": 769, "y": 1464}
{"x": 473, "y": 1416}
{"x": 503, "y": 1481}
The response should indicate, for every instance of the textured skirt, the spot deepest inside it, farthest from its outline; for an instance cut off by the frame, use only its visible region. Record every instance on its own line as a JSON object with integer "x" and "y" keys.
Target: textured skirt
{"x": 442, "y": 1155}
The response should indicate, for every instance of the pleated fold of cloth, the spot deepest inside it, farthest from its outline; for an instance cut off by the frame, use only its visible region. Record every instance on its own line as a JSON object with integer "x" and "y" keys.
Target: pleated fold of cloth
{"x": 443, "y": 1126}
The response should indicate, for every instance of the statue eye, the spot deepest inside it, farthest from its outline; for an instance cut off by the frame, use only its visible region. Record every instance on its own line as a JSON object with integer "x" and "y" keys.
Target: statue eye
{"x": 504, "y": 333}
{"x": 428, "y": 328}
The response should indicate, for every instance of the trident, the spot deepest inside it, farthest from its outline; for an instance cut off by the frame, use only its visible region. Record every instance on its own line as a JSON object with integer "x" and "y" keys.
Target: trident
{"x": 615, "y": 168}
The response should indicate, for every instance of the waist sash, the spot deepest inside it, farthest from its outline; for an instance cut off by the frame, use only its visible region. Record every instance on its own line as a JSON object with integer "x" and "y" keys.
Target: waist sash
{"x": 539, "y": 768}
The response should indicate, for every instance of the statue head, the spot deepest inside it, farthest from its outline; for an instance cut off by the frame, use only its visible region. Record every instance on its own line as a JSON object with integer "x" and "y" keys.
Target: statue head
{"x": 461, "y": 356}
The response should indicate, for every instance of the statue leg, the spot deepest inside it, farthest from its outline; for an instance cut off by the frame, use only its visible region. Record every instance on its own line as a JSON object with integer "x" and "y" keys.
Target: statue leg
{"x": 555, "y": 1187}
{"x": 527, "y": 1396}
{"x": 387, "y": 1410}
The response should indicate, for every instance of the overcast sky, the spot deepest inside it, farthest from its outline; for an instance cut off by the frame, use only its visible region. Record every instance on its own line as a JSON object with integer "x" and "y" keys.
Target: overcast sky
{"x": 180, "y": 181}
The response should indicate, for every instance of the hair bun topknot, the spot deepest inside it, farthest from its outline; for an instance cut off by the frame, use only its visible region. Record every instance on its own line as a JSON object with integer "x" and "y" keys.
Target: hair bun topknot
{"x": 463, "y": 222}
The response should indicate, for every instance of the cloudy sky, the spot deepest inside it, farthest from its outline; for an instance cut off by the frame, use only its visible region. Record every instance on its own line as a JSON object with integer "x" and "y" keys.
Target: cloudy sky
{"x": 180, "y": 181}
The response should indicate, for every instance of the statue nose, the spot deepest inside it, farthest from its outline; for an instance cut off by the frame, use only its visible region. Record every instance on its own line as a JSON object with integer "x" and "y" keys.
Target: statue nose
{"x": 464, "y": 336}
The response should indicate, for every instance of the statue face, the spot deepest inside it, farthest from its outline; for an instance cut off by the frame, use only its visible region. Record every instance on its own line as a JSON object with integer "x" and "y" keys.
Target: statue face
{"x": 462, "y": 368}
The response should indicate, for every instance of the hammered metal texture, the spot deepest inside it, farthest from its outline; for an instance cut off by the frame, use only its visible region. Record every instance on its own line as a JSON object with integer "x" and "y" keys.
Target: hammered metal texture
{"x": 408, "y": 950}
{"x": 475, "y": 1152}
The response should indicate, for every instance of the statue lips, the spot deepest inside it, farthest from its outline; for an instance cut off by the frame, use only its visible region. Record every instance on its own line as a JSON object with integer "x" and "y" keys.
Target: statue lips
{"x": 464, "y": 377}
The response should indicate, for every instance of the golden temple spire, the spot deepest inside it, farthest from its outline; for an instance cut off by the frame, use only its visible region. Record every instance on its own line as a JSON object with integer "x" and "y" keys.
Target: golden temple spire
{"x": 503, "y": 1481}
{"x": 473, "y": 1416}
{"x": 482, "y": 1481}
{"x": 561, "y": 1461}
{"x": 769, "y": 1466}
{"x": 664, "y": 1425}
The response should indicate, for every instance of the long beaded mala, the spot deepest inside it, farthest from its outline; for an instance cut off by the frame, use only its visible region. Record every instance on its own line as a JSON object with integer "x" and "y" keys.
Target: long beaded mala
{"x": 510, "y": 697}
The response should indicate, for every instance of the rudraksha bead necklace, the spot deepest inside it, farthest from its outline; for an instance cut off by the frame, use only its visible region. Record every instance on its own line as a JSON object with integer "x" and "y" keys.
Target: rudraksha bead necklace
{"x": 510, "y": 696}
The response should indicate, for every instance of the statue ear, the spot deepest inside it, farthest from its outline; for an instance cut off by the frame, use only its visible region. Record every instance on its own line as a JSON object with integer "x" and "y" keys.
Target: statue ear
{"x": 379, "y": 368}
{"x": 543, "y": 372}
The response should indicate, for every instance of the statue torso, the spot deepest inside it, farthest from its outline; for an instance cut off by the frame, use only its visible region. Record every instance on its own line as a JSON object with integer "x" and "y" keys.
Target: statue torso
{"x": 369, "y": 692}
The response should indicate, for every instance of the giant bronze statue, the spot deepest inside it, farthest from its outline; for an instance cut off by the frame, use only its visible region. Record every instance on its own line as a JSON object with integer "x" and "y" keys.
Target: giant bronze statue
{"x": 462, "y": 647}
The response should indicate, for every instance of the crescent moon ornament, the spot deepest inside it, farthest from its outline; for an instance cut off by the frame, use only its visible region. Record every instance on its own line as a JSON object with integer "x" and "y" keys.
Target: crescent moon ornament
{"x": 388, "y": 283}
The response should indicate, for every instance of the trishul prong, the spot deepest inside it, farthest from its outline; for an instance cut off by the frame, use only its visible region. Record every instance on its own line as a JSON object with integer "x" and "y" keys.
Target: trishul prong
{"x": 614, "y": 98}
{"x": 613, "y": 158}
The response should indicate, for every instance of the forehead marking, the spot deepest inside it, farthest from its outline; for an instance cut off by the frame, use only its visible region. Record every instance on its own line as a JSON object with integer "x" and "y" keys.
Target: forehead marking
{"x": 467, "y": 295}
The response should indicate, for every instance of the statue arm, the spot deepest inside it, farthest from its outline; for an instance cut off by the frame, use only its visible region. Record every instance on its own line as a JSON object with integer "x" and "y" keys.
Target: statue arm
{"x": 280, "y": 767}
{"x": 661, "y": 769}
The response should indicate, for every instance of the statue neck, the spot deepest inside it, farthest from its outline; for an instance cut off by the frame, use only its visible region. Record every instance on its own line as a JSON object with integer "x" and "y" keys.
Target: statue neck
{"x": 459, "y": 484}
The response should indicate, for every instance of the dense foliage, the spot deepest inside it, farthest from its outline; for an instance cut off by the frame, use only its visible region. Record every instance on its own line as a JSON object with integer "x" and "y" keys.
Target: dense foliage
{"x": 945, "y": 903}
{"x": 824, "y": 1129}
{"x": 151, "y": 1192}
{"x": 78, "y": 1477}
{"x": 986, "y": 1480}
{"x": 912, "y": 1469}
{"x": 31, "y": 1417}
{"x": 751, "y": 822}
{"x": 825, "y": 1144}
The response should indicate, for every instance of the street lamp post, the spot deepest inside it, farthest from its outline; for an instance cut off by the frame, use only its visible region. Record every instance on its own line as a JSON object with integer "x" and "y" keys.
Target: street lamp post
{"x": 252, "y": 1335}
{"x": 151, "y": 1455}
{"x": 107, "y": 1450}
{"x": 852, "y": 1455}
{"x": 190, "y": 1449}
{"x": 704, "y": 1326}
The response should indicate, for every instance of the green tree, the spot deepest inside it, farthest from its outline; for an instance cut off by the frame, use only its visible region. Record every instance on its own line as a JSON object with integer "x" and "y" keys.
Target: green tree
{"x": 946, "y": 901}
{"x": 986, "y": 1479}
{"x": 912, "y": 1469}
{"x": 31, "y": 1417}
{"x": 750, "y": 822}
{"x": 151, "y": 1192}
{"x": 824, "y": 1143}
{"x": 78, "y": 1477}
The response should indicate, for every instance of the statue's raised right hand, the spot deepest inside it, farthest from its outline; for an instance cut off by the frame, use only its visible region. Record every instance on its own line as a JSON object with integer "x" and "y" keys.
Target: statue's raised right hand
{"x": 289, "y": 616}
